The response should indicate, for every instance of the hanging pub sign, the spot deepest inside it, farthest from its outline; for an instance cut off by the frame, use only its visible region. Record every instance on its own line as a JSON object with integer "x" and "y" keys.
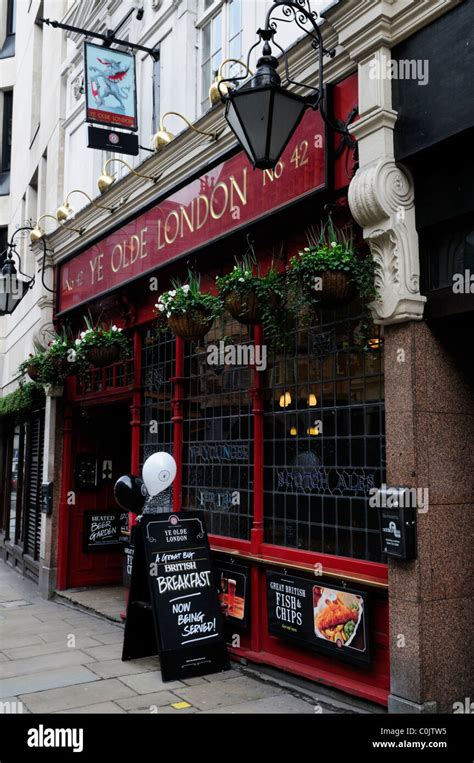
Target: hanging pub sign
{"x": 234, "y": 590}
{"x": 104, "y": 529}
{"x": 326, "y": 618}
{"x": 173, "y": 608}
{"x": 112, "y": 140}
{"x": 110, "y": 85}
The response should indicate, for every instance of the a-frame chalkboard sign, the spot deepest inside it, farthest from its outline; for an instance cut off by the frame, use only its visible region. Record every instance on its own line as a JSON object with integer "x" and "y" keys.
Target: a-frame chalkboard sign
{"x": 173, "y": 606}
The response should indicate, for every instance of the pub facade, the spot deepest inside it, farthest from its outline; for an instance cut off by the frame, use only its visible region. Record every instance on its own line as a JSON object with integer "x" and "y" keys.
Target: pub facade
{"x": 281, "y": 461}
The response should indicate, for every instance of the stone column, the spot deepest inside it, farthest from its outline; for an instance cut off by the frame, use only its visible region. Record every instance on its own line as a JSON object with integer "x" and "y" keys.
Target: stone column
{"x": 51, "y": 465}
{"x": 428, "y": 425}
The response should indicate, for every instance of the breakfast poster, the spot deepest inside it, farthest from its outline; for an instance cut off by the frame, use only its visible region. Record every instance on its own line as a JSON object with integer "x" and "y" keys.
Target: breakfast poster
{"x": 326, "y": 618}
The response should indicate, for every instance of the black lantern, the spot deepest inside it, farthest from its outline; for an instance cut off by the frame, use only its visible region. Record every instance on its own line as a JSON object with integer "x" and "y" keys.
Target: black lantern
{"x": 263, "y": 114}
{"x": 12, "y": 288}
{"x": 14, "y": 284}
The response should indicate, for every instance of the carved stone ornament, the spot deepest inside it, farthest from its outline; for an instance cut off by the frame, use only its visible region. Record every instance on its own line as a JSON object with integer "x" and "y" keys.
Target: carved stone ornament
{"x": 44, "y": 334}
{"x": 381, "y": 198}
{"x": 78, "y": 87}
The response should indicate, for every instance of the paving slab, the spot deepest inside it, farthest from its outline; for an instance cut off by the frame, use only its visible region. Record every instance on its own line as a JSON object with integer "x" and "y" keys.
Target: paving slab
{"x": 51, "y": 679}
{"x": 231, "y": 692}
{"x": 101, "y": 707}
{"x": 147, "y": 683}
{"x": 42, "y": 662}
{"x": 117, "y": 668}
{"x": 146, "y": 701}
{"x": 26, "y": 639}
{"x": 14, "y": 604}
{"x": 54, "y": 647}
{"x": 85, "y": 695}
{"x": 114, "y": 637}
{"x": 105, "y": 652}
{"x": 284, "y": 703}
{"x": 62, "y": 632}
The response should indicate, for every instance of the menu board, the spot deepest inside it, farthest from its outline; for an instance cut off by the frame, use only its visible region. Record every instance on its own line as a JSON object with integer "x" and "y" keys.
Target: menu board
{"x": 103, "y": 529}
{"x": 234, "y": 588}
{"x": 172, "y": 553}
{"x": 320, "y": 616}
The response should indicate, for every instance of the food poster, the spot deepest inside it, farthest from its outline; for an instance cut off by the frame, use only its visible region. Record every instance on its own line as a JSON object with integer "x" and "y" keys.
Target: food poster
{"x": 233, "y": 582}
{"x": 324, "y": 617}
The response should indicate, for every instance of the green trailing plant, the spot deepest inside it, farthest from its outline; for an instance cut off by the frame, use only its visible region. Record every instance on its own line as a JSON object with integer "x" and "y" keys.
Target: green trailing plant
{"x": 331, "y": 249}
{"x": 53, "y": 364}
{"x": 253, "y": 297}
{"x": 23, "y": 398}
{"x": 187, "y": 300}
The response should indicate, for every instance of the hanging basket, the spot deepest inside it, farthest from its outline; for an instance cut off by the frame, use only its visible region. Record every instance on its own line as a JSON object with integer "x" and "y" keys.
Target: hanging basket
{"x": 247, "y": 309}
{"x": 105, "y": 355}
{"x": 337, "y": 289}
{"x": 190, "y": 327}
{"x": 33, "y": 372}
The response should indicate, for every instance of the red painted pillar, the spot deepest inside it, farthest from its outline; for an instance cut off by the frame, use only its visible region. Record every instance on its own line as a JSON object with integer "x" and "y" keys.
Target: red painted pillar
{"x": 178, "y": 425}
{"x": 256, "y": 533}
{"x": 135, "y": 409}
{"x": 65, "y": 504}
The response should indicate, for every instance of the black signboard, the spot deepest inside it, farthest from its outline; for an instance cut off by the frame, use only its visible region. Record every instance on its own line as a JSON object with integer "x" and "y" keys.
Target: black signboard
{"x": 173, "y": 606}
{"x": 234, "y": 592}
{"x": 398, "y": 532}
{"x": 319, "y": 615}
{"x": 113, "y": 140}
{"x": 104, "y": 529}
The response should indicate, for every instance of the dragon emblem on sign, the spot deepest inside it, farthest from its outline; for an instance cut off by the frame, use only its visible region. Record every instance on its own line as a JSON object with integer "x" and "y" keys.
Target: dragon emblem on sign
{"x": 110, "y": 87}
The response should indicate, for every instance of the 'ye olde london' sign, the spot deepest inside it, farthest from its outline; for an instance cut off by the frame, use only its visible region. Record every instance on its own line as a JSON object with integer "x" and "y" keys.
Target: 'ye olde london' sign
{"x": 222, "y": 200}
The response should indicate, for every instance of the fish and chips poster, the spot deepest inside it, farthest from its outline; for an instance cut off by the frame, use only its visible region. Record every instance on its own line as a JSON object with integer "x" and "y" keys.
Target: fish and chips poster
{"x": 326, "y": 618}
{"x": 110, "y": 84}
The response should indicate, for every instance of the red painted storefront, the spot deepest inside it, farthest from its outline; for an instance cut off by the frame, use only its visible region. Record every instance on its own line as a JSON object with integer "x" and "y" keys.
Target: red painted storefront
{"x": 207, "y": 220}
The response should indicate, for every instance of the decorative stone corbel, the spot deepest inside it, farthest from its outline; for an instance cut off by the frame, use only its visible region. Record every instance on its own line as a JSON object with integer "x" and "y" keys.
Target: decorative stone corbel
{"x": 381, "y": 198}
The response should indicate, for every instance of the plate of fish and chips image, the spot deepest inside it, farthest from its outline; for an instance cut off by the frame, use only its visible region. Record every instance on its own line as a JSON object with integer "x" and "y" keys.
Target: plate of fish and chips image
{"x": 337, "y": 615}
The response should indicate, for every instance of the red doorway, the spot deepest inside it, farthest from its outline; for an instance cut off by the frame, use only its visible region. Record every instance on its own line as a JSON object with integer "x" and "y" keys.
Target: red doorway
{"x": 101, "y": 452}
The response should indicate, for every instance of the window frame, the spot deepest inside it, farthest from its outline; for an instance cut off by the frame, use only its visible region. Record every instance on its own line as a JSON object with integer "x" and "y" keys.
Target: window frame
{"x": 206, "y": 17}
{"x": 7, "y": 120}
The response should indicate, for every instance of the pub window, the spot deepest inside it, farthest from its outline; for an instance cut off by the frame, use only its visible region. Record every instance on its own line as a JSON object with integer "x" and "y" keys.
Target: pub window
{"x": 221, "y": 38}
{"x": 218, "y": 435}
{"x": 324, "y": 439}
{"x": 158, "y": 359}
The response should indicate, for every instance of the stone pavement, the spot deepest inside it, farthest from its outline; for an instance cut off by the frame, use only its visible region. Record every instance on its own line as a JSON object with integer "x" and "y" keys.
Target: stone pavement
{"x": 57, "y": 658}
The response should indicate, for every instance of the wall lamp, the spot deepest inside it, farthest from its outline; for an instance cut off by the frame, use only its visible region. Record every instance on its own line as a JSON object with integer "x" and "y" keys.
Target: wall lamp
{"x": 38, "y": 232}
{"x": 14, "y": 284}
{"x": 215, "y": 95}
{"x": 163, "y": 136}
{"x": 106, "y": 180}
{"x": 262, "y": 113}
{"x": 65, "y": 211}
